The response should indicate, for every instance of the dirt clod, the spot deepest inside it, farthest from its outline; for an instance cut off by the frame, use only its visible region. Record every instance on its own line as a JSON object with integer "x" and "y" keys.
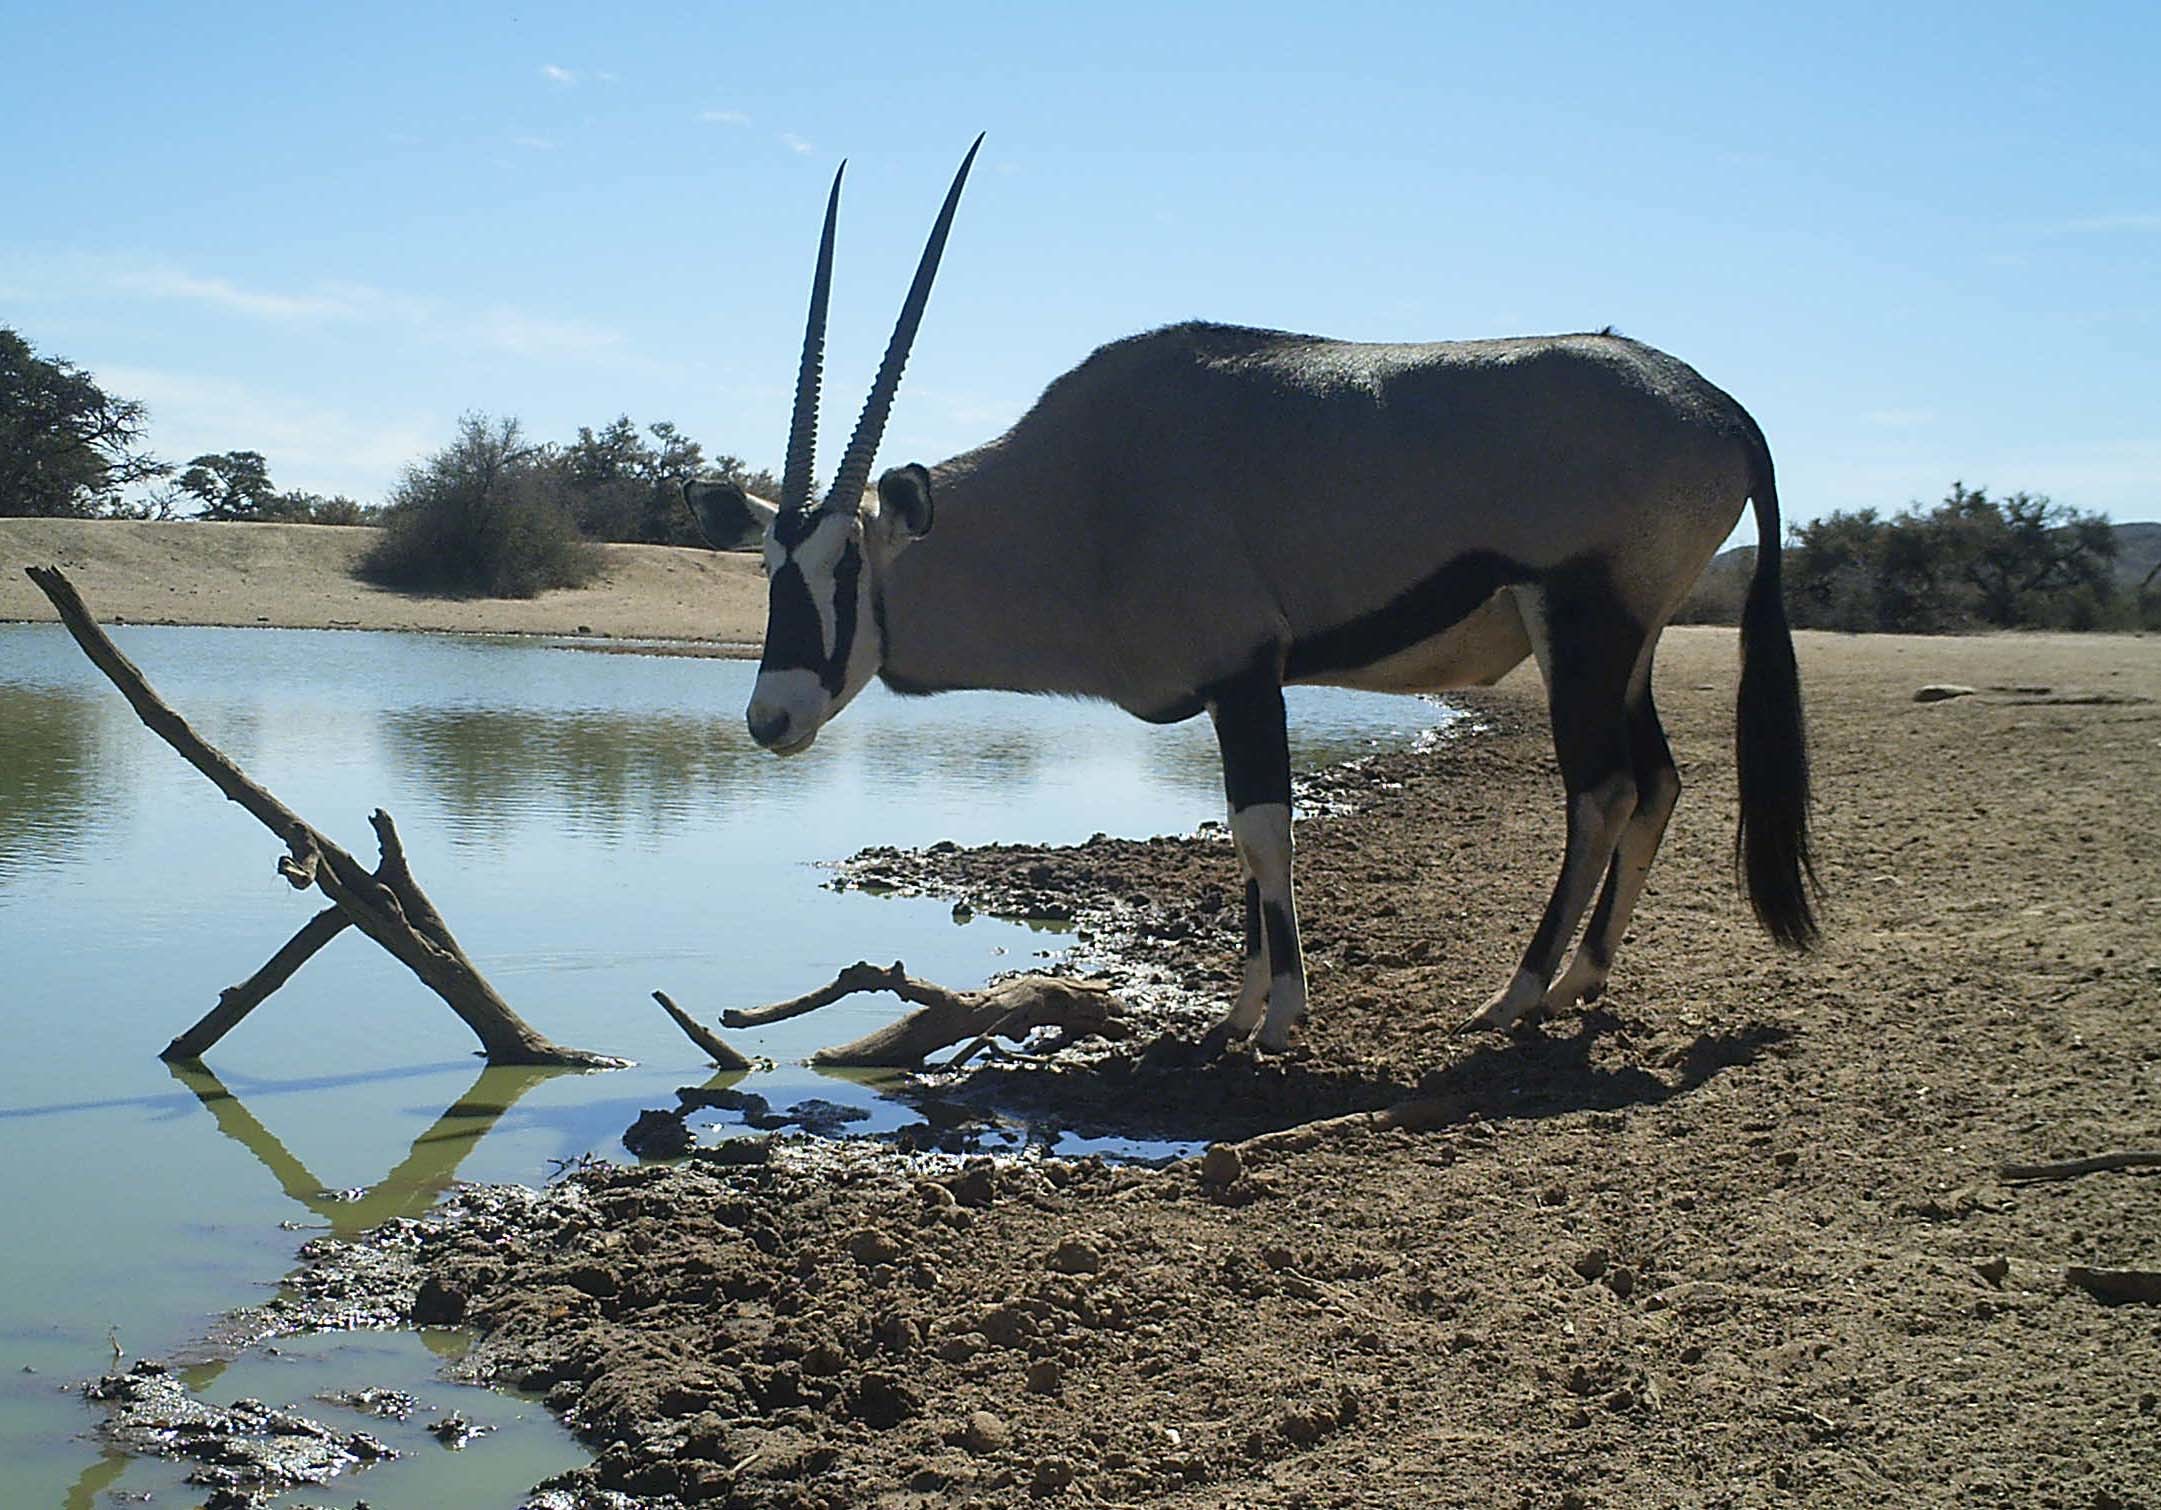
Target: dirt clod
{"x": 870, "y": 1247}
{"x": 983, "y": 1432}
{"x": 1222, "y": 1165}
{"x": 1076, "y": 1255}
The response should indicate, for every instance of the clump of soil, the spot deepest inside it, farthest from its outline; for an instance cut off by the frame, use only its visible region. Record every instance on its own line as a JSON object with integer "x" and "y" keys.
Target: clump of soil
{"x": 1736, "y": 1236}
{"x": 244, "y": 1451}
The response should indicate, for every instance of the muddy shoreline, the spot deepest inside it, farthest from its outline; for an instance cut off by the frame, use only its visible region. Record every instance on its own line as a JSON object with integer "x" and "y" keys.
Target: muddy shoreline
{"x": 1736, "y": 1236}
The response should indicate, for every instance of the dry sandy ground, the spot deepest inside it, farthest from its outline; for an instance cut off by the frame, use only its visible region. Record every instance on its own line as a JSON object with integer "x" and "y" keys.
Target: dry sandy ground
{"x": 299, "y": 576}
{"x": 1736, "y": 1236}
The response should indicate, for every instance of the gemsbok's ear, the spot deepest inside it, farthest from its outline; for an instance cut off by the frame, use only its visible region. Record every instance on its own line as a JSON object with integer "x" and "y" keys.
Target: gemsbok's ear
{"x": 729, "y": 518}
{"x": 904, "y": 498}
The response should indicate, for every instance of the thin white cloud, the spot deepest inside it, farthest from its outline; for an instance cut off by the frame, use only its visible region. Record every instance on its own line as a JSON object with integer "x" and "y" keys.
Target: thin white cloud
{"x": 309, "y": 446}
{"x": 724, "y": 117}
{"x": 171, "y": 283}
{"x": 558, "y": 75}
{"x": 795, "y": 143}
{"x": 498, "y": 327}
{"x": 605, "y": 77}
{"x": 533, "y": 143}
{"x": 2101, "y": 225}
{"x": 2115, "y": 476}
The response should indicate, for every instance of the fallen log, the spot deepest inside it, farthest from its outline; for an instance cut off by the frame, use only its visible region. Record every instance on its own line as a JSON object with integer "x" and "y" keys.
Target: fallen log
{"x": 1011, "y": 1008}
{"x": 386, "y": 903}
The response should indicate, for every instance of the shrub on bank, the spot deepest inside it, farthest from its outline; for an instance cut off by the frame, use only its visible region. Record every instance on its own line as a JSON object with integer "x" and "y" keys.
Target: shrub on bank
{"x": 487, "y": 515}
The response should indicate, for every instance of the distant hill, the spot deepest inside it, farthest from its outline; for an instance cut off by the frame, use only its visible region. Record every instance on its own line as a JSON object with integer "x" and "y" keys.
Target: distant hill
{"x": 1718, "y": 593}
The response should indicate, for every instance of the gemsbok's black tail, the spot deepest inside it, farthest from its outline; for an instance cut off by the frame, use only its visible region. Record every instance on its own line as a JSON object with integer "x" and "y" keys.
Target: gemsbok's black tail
{"x": 1770, "y": 741}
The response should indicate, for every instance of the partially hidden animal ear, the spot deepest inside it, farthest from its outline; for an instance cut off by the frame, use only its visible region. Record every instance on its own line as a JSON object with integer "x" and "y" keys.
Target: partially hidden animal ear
{"x": 729, "y": 518}
{"x": 904, "y": 496}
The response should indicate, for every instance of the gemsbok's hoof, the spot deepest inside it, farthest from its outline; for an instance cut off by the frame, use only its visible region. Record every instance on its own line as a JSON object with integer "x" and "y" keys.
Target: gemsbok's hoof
{"x": 1217, "y": 1041}
{"x": 1515, "y": 1005}
{"x": 1484, "y": 1020}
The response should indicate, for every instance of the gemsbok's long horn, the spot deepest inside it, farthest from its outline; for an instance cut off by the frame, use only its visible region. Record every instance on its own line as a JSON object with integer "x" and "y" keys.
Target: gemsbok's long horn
{"x": 795, "y": 478}
{"x": 870, "y": 428}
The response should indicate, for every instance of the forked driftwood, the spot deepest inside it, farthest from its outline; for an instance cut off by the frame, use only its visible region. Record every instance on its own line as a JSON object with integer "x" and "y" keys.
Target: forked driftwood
{"x": 386, "y": 903}
{"x": 1011, "y": 1008}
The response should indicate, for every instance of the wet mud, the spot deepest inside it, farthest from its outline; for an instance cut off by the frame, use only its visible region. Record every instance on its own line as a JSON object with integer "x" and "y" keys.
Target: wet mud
{"x": 1738, "y": 1235}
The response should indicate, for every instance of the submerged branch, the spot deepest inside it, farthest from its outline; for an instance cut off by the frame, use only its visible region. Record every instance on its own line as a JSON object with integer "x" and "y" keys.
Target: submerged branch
{"x": 723, "y": 1054}
{"x": 236, "y": 1002}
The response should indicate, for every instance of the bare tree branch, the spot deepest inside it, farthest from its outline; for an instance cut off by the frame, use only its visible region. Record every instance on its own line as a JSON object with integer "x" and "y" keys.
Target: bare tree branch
{"x": 386, "y": 905}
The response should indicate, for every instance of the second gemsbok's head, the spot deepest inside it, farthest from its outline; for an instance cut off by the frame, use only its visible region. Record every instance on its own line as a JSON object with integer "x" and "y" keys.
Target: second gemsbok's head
{"x": 822, "y": 638}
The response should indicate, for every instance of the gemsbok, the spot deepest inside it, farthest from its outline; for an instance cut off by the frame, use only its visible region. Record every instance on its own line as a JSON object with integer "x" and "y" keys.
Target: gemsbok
{"x": 1195, "y": 517}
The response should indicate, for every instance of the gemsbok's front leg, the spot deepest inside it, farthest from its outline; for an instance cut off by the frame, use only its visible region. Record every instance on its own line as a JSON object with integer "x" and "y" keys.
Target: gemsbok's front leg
{"x": 1249, "y": 720}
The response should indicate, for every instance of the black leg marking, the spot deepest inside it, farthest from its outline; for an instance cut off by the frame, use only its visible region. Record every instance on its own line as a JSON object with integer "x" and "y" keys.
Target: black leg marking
{"x": 1283, "y": 953}
{"x": 1248, "y": 713}
{"x": 1250, "y": 731}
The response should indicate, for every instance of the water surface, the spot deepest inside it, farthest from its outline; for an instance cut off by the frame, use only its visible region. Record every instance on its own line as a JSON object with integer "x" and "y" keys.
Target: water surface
{"x": 592, "y": 826}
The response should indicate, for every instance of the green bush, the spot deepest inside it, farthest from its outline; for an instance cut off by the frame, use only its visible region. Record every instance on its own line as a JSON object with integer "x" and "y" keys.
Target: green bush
{"x": 1971, "y": 562}
{"x": 488, "y": 515}
{"x": 626, "y": 486}
{"x": 317, "y": 508}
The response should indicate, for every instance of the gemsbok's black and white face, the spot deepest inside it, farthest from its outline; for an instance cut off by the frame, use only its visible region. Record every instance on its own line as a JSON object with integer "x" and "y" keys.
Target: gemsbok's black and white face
{"x": 823, "y": 640}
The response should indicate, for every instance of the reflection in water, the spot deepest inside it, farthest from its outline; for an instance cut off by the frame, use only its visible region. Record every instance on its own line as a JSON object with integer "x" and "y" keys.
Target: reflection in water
{"x": 53, "y": 777}
{"x": 406, "y": 1191}
{"x": 97, "y": 1478}
{"x": 602, "y": 773}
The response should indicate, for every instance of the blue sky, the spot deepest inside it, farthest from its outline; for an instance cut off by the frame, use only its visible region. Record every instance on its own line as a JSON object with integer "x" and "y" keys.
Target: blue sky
{"x": 1919, "y": 242}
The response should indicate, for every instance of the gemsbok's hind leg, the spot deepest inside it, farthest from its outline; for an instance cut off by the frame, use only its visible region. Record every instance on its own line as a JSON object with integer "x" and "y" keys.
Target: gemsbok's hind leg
{"x": 1658, "y": 788}
{"x": 1587, "y": 648}
{"x": 1249, "y": 720}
